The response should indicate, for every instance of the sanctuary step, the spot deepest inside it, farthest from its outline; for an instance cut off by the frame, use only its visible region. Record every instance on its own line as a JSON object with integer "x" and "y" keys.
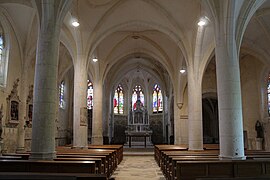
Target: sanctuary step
{"x": 138, "y": 151}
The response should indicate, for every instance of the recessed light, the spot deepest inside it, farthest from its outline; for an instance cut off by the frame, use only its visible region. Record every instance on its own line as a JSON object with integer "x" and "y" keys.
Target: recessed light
{"x": 182, "y": 71}
{"x": 75, "y": 23}
{"x": 95, "y": 59}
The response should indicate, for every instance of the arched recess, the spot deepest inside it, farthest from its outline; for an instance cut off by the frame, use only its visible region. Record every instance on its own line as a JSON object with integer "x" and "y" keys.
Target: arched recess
{"x": 210, "y": 118}
{"x": 210, "y": 102}
{"x": 141, "y": 70}
{"x": 254, "y": 79}
{"x": 5, "y": 31}
{"x": 64, "y": 123}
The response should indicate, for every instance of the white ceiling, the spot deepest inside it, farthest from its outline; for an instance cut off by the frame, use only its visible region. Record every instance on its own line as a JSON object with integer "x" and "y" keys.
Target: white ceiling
{"x": 166, "y": 32}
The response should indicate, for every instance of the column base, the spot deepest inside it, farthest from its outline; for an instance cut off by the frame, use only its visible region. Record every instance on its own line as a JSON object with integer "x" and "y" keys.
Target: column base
{"x": 97, "y": 140}
{"x": 231, "y": 158}
{"x": 19, "y": 149}
{"x": 42, "y": 155}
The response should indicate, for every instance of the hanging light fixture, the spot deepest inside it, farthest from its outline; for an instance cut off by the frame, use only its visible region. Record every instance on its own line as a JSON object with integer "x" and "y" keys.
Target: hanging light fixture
{"x": 182, "y": 70}
{"x": 95, "y": 59}
{"x": 203, "y": 21}
{"x": 75, "y": 21}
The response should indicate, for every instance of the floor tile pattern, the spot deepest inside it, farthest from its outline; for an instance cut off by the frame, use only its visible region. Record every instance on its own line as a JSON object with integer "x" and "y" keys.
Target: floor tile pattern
{"x": 138, "y": 168}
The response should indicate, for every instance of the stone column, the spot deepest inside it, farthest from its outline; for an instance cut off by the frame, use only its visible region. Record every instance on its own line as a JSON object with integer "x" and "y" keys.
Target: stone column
{"x": 195, "y": 132}
{"x": 178, "y": 104}
{"x": 230, "y": 103}
{"x": 23, "y": 113}
{"x": 45, "y": 83}
{"x": 229, "y": 90}
{"x": 80, "y": 98}
{"x": 177, "y": 122}
{"x": 105, "y": 124}
{"x": 97, "y": 137}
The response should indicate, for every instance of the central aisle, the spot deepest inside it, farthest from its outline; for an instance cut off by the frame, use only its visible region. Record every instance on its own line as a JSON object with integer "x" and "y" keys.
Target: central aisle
{"x": 138, "y": 167}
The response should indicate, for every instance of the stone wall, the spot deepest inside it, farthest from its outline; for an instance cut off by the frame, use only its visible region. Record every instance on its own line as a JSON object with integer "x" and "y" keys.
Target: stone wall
{"x": 28, "y": 139}
{"x": 120, "y": 124}
{"x": 156, "y": 126}
{"x": 9, "y": 139}
{"x": 250, "y": 83}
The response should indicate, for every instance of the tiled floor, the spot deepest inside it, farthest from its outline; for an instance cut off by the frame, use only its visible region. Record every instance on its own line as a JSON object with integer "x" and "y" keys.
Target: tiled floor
{"x": 138, "y": 168}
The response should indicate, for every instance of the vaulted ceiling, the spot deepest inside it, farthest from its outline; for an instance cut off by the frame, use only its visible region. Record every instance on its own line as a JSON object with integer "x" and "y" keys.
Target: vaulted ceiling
{"x": 155, "y": 36}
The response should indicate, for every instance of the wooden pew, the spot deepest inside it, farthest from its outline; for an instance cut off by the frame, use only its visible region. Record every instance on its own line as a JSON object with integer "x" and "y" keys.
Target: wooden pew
{"x": 168, "y": 163}
{"x": 105, "y": 158}
{"x": 211, "y": 146}
{"x": 102, "y": 162}
{"x": 11, "y": 157}
{"x": 165, "y": 154}
{"x": 100, "y": 169}
{"x": 24, "y": 156}
{"x": 51, "y": 176}
{"x": 168, "y": 158}
{"x": 47, "y": 166}
{"x": 118, "y": 148}
{"x": 159, "y": 148}
{"x": 192, "y": 170}
{"x": 109, "y": 155}
{"x": 169, "y": 168}
{"x": 105, "y": 165}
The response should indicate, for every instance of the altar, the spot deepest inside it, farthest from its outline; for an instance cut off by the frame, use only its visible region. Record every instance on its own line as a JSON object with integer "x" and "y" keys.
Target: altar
{"x": 145, "y": 135}
{"x": 138, "y": 129}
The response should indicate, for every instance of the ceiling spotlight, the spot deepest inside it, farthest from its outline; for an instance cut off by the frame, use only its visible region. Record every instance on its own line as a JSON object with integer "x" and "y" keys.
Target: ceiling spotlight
{"x": 75, "y": 23}
{"x": 203, "y": 21}
{"x": 95, "y": 59}
{"x": 182, "y": 71}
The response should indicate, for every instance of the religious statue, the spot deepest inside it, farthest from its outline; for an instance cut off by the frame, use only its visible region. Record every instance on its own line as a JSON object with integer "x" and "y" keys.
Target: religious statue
{"x": 14, "y": 110}
{"x": 259, "y": 129}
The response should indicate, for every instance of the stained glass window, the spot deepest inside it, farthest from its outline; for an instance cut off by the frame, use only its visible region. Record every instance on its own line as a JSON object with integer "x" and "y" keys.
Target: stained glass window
{"x": 118, "y": 100}
{"x": 2, "y": 61}
{"x": 157, "y": 99}
{"x": 61, "y": 94}
{"x": 90, "y": 93}
{"x": 137, "y": 94}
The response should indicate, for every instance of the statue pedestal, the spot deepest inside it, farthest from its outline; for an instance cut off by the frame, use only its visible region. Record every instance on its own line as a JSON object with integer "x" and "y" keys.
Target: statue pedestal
{"x": 259, "y": 143}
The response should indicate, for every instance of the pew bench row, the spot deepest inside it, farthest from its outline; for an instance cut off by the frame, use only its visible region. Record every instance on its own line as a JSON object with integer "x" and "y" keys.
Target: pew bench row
{"x": 51, "y": 176}
{"x": 192, "y": 170}
{"x": 177, "y": 163}
{"x": 99, "y": 161}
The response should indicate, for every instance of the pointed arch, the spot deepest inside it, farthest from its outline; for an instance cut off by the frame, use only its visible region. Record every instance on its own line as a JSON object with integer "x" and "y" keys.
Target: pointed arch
{"x": 157, "y": 99}
{"x": 137, "y": 95}
{"x": 118, "y": 100}
{"x": 90, "y": 94}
